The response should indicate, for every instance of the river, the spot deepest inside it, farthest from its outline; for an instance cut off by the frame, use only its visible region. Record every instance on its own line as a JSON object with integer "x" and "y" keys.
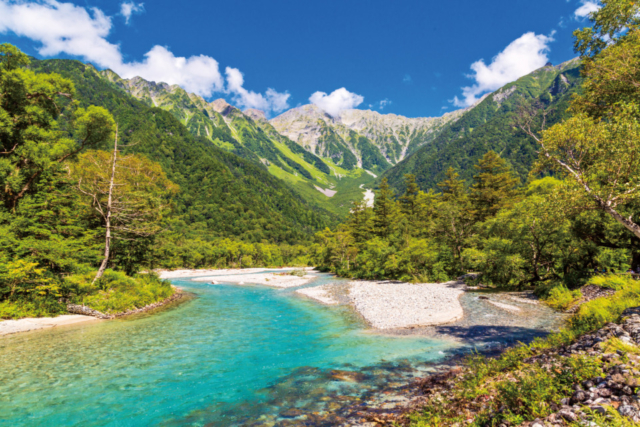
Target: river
{"x": 233, "y": 355}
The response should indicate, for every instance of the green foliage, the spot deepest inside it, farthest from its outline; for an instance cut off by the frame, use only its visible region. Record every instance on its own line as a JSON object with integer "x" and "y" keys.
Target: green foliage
{"x": 561, "y": 298}
{"x": 611, "y": 281}
{"x": 116, "y": 292}
{"x": 297, "y": 273}
{"x": 597, "y": 313}
{"x": 494, "y": 186}
{"x": 531, "y": 392}
{"x": 489, "y": 126}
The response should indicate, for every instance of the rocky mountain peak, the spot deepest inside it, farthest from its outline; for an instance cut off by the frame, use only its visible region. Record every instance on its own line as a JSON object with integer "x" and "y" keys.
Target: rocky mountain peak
{"x": 223, "y": 107}
{"x": 255, "y": 114}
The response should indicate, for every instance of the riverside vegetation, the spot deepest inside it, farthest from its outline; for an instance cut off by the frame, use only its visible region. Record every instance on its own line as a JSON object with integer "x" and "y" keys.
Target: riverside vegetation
{"x": 544, "y": 221}
{"x": 576, "y": 215}
{"x": 55, "y": 170}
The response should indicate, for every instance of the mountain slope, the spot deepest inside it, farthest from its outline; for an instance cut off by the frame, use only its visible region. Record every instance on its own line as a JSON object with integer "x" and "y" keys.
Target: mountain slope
{"x": 490, "y": 126}
{"x": 221, "y": 194}
{"x": 249, "y": 135}
{"x": 359, "y": 138}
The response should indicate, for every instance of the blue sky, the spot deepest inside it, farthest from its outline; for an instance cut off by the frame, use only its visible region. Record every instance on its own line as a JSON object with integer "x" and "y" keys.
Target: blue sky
{"x": 412, "y": 58}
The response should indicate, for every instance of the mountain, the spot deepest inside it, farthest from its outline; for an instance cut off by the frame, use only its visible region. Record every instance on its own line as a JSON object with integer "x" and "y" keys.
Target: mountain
{"x": 490, "y": 125}
{"x": 359, "y": 138}
{"x": 329, "y": 160}
{"x": 221, "y": 193}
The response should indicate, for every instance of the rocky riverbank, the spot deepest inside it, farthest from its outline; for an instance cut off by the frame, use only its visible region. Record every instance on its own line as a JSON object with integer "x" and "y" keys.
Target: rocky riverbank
{"x": 613, "y": 350}
{"x": 388, "y": 305}
{"x": 275, "y": 280}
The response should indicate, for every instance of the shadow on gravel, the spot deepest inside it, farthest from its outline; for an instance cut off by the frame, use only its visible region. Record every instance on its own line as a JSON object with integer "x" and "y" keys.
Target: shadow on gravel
{"x": 483, "y": 334}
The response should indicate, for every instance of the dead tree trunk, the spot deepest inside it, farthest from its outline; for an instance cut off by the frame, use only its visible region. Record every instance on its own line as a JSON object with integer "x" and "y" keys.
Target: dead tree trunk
{"x": 107, "y": 243}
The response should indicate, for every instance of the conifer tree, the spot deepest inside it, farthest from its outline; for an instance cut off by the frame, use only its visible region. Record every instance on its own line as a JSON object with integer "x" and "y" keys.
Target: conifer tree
{"x": 384, "y": 209}
{"x": 408, "y": 201}
{"x": 452, "y": 187}
{"x": 494, "y": 187}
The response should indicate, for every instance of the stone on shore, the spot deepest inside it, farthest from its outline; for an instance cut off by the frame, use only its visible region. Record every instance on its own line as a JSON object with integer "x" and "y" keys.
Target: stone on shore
{"x": 389, "y": 305}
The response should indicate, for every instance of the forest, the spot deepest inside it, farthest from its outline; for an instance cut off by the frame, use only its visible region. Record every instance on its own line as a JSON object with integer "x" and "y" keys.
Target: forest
{"x": 573, "y": 215}
{"x": 175, "y": 200}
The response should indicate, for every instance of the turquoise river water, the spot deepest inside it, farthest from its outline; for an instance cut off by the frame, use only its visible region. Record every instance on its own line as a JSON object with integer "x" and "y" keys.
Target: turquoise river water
{"x": 233, "y": 355}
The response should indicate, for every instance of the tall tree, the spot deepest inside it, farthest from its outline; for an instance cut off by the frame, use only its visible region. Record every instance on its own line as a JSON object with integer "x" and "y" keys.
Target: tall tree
{"x": 384, "y": 209}
{"x": 452, "y": 187}
{"x": 598, "y": 149}
{"x": 31, "y": 143}
{"x": 494, "y": 186}
{"x": 127, "y": 192}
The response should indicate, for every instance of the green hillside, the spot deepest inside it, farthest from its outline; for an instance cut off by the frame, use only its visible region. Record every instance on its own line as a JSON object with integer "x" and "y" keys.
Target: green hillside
{"x": 221, "y": 194}
{"x": 252, "y": 137}
{"x": 490, "y": 126}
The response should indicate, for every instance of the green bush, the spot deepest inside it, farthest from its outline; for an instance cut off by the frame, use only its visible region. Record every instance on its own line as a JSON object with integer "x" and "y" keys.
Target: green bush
{"x": 597, "y": 313}
{"x": 38, "y": 307}
{"x": 115, "y": 292}
{"x": 611, "y": 281}
{"x": 532, "y": 391}
{"x": 561, "y": 298}
{"x": 298, "y": 273}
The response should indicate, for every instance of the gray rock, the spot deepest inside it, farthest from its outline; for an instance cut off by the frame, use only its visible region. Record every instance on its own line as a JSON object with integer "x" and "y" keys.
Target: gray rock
{"x": 568, "y": 415}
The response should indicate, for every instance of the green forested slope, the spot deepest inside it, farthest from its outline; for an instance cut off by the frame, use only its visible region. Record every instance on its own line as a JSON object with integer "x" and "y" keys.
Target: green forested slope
{"x": 490, "y": 126}
{"x": 221, "y": 194}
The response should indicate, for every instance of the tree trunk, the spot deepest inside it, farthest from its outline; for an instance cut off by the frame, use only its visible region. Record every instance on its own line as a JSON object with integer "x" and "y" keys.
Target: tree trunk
{"x": 107, "y": 243}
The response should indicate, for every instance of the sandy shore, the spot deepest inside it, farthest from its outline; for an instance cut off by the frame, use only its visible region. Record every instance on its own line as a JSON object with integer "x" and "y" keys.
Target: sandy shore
{"x": 321, "y": 294}
{"x": 31, "y": 324}
{"x": 389, "y": 305}
{"x": 275, "y": 280}
{"x": 177, "y": 274}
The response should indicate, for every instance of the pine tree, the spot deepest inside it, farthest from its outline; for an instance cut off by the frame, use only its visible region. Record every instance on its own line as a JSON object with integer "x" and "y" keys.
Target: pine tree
{"x": 408, "y": 201}
{"x": 494, "y": 187}
{"x": 452, "y": 187}
{"x": 384, "y": 210}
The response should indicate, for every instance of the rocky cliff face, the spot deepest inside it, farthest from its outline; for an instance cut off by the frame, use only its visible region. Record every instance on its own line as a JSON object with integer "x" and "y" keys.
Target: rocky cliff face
{"x": 360, "y": 132}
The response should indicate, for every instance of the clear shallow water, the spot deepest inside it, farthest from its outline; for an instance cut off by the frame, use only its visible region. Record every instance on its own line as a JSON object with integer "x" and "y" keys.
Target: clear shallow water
{"x": 234, "y": 354}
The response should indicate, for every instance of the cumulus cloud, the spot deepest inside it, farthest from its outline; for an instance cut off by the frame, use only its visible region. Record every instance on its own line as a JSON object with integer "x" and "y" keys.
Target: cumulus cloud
{"x": 587, "y": 8}
{"x": 64, "y": 28}
{"x": 271, "y": 100}
{"x": 127, "y": 9}
{"x": 339, "y": 100}
{"x": 521, "y": 57}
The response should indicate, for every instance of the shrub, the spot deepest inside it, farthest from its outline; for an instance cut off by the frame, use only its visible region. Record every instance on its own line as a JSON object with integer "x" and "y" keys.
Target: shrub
{"x": 611, "y": 281}
{"x": 115, "y": 292}
{"x": 299, "y": 273}
{"x": 595, "y": 314}
{"x": 38, "y": 307}
{"x": 561, "y": 298}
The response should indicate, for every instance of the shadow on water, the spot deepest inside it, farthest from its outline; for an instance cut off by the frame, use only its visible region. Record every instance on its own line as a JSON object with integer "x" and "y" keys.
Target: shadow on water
{"x": 311, "y": 396}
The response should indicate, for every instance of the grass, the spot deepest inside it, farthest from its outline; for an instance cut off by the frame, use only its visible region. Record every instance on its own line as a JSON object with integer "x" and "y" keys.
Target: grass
{"x": 508, "y": 390}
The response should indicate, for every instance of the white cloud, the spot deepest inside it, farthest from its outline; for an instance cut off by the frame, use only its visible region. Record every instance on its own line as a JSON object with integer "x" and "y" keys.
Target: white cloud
{"x": 521, "y": 57}
{"x": 339, "y": 100}
{"x": 407, "y": 79}
{"x": 64, "y": 28}
{"x": 587, "y": 8}
{"x": 127, "y": 9}
{"x": 271, "y": 101}
{"x": 384, "y": 103}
